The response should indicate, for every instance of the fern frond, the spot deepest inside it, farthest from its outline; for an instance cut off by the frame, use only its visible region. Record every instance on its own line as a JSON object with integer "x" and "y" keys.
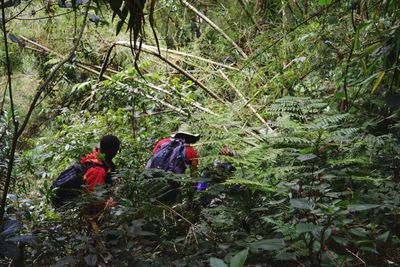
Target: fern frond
{"x": 328, "y": 121}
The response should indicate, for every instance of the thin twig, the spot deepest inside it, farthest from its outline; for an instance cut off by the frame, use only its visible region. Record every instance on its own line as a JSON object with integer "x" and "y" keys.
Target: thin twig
{"x": 3, "y": 100}
{"x": 18, "y": 131}
{"x": 356, "y": 256}
{"x": 19, "y": 13}
{"x": 248, "y": 105}
{"x": 257, "y": 54}
{"x": 48, "y": 17}
{"x": 347, "y": 104}
{"x": 8, "y": 66}
{"x": 186, "y": 220}
{"x": 54, "y": 71}
{"x": 218, "y": 29}
{"x": 105, "y": 62}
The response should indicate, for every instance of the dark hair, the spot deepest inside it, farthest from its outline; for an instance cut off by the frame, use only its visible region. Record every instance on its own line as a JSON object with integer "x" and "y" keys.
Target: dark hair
{"x": 109, "y": 145}
{"x": 189, "y": 139}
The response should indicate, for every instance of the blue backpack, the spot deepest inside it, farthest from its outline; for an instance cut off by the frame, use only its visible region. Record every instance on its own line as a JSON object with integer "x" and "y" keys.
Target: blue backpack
{"x": 170, "y": 156}
{"x": 69, "y": 183}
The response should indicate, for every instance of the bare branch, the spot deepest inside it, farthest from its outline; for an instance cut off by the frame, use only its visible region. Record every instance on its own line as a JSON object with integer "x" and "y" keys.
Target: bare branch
{"x": 212, "y": 24}
{"x": 248, "y": 105}
{"x": 49, "y": 78}
{"x": 19, "y": 130}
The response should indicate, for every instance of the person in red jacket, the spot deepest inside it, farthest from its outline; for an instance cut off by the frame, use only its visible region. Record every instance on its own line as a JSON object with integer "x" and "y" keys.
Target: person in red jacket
{"x": 168, "y": 156}
{"x": 188, "y": 137}
{"x": 102, "y": 157}
{"x": 100, "y": 174}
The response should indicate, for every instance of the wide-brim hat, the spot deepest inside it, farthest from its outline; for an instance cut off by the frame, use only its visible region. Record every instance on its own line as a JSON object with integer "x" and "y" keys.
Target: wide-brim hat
{"x": 185, "y": 129}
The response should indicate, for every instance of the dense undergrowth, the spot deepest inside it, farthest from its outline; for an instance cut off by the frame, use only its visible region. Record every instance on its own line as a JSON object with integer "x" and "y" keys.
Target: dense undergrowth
{"x": 321, "y": 189}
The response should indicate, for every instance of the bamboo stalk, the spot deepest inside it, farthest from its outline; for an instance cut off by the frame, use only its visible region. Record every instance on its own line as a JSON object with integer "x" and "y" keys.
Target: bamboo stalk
{"x": 190, "y": 76}
{"x": 105, "y": 62}
{"x": 136, "y": 91}
{"x": 218, "y": 29}
{"x": 176, "y": 67}
{"x": 265, "y": 85}
{"x": 248, "y": 105}
{"x": 146, "y": 47}
{"x": 193, "y": 103}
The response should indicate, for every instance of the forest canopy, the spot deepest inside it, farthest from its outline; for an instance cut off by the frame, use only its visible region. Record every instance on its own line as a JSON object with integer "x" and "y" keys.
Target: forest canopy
{"x": 298, "y": 100}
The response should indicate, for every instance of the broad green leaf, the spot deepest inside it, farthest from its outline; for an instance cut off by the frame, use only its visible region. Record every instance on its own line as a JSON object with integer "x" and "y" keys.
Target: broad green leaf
{"x": 361, "y": 232}
{"x": 306, "y": 157}
{"x": 215, "y": 262}
{"x": 367, "y": 179}
{"x": 91, "y": 259}
{"x": 302, "y": 203}
{"x": 325, "y": 2}
{"x": 318, "y": 231}
{"x": 305, "y": 227}
{"x": 361, "y": 207}
{"x": 369, "y": 249}
{"x": 239, "y": 259}
{"x": 357, "y": 40}
{"x": 383, "y": 237}
{"x": 340, "y": 95}
{"x": 52, "y": 61}
{"x": 65, "y": 261}
{"x": 341, "y": 240}
{"x": 286, "y": 256}
{"x": 377, "y": 82}
{"x": 9, "y": 227}
{"x": 268, "y": 244}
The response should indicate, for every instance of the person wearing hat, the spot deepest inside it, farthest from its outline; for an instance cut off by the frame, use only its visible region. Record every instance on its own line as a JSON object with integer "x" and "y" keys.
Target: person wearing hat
{"x": 187, "y": 137}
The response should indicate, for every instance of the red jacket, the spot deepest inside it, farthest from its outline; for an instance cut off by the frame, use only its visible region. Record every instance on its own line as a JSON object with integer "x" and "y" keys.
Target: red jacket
{"x": 95, "y": 175}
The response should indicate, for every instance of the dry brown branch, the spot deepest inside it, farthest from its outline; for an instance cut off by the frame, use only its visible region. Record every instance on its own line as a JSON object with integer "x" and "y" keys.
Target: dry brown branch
{"x": 218, "y": 29}
{"x": 248, "y": 105}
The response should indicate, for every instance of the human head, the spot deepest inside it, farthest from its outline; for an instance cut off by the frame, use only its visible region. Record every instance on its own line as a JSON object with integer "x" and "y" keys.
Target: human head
{"x": 184, "y": 132}
{"x": 109, "y": 145}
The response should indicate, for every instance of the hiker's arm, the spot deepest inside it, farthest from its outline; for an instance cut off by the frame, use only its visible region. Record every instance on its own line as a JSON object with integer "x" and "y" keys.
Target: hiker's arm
{"x": 193, "y": 161}
{"x": 194, "y": 171}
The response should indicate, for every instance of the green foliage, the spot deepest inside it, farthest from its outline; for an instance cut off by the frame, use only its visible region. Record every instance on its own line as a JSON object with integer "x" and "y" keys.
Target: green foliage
{"x": 321, "y": 190}
{"x": 5, "y": 139}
